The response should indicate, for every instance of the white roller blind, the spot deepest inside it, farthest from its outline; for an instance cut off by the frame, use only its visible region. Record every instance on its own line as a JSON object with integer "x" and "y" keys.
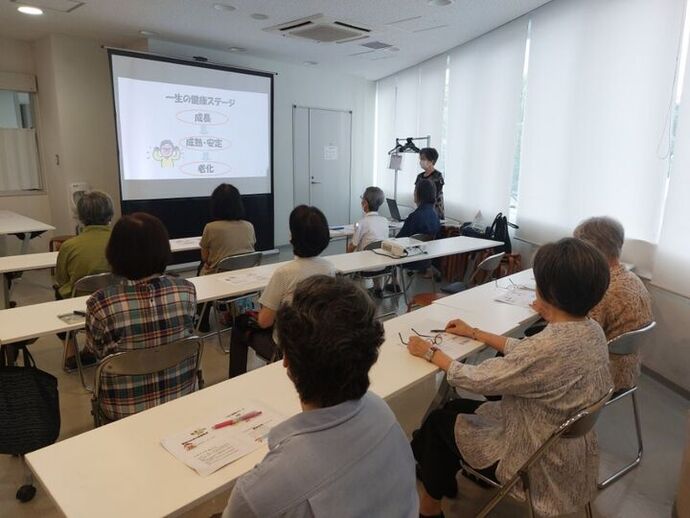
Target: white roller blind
{"x": 672, "y": 260}
{"x": 598, "y": 97}
{"x": 485, "y": 87}
{"x": 19, "y": 169}
{"x": 409, "y": 104}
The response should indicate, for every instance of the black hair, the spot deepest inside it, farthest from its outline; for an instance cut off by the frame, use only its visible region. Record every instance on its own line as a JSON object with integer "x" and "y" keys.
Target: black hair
{"x": 138, "y": 246}
{"x": 429, "y": 153}
{"x": 226, "y": 203}
{"x": 330, "y": 338}
{"x": 571, "y": 275}
{"x": 309, "y": 231}
{"x": 425, "y": 191}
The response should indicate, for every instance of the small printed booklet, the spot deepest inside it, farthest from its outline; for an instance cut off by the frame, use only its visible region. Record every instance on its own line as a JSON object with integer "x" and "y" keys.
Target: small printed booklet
{"x": 218, "y": 442}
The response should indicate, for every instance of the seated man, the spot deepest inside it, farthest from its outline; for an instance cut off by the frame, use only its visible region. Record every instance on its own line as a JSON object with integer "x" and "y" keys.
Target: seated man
{"x": 345, "y": 454}
{"x": 424, "y": 219}
{"x": 626, "y": 306}
{"x": 371, "y": 227}
{"x": 147, "y": 310}
{"x": 309, "y": 237}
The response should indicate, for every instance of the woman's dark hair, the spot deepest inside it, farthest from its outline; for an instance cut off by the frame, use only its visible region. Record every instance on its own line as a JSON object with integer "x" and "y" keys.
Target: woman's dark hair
{"x": 330, "y": 338}
{"x": 425, "y": 191}
{"x": 309, "y": 231}
{"x": 429, "y": 153}
{"x": 226, "y": 203}
{"x": 138, "y": 246}
{"x": 571, "y": 275}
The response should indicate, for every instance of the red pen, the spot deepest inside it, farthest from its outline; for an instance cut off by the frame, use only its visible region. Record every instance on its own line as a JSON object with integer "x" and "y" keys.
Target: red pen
{"x": 230, "y": 422}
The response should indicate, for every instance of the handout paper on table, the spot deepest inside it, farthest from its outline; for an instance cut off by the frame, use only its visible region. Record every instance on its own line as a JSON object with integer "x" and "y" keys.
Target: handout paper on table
{"x": 207, "y": 449}
{"x": 453, "y": 345}
{"x": 246, "y": 278}
{"x": 518, "y": 297}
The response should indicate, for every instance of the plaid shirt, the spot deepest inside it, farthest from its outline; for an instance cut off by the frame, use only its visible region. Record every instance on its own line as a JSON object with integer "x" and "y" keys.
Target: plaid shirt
{"x": 141, "y": 314}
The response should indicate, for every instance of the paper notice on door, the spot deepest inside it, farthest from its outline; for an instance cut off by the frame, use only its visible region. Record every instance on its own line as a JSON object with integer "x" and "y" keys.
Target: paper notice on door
{"x": 209, "y": 447}
{"x": 330, "y": 152}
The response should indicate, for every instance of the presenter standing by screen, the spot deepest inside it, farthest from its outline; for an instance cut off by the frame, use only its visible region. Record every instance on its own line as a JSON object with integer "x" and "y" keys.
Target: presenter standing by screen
{"x": 427, "y": 161}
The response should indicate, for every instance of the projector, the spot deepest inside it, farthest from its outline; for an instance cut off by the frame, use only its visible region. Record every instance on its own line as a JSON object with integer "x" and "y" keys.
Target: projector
{"x": 403, "y": 247}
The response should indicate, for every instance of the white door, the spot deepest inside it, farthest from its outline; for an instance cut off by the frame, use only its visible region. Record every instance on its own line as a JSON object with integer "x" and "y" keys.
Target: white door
{"x": 322, "y": 162}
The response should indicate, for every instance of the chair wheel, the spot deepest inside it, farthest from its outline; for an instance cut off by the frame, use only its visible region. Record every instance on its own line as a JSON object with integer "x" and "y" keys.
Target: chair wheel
{"x": 26, "y": 493}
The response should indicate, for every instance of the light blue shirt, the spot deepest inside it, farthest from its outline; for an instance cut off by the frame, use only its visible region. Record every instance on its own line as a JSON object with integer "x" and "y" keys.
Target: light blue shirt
{"x": 345, "y": 461}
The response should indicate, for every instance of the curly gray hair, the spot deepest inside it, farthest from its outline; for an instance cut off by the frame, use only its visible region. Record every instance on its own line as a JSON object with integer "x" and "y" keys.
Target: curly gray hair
{"x": 605, "y": 233}
{"x": 95, "y": 208}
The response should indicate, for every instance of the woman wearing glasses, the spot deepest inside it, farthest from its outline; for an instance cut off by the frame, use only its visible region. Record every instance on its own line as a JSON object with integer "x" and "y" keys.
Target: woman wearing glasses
{"x": 543, "y": 380}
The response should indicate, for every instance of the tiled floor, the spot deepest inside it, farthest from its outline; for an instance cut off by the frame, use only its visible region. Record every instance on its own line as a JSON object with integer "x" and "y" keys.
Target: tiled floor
{"x": 647, "y": 492}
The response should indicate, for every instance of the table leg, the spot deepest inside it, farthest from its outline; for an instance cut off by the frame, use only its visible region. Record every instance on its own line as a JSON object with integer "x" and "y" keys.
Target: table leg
{"x": 25, "y": 243}
{"x": 5, "y": 292}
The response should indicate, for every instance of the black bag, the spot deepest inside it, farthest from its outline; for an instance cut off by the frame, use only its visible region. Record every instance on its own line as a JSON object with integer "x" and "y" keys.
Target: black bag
{"x": 29, "y": 406}
{"x": 498, "y": 231}
{"x": 466, "y": 229}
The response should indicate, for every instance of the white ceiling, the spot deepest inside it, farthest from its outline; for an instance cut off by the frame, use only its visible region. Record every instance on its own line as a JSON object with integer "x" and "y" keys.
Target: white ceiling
{"x": 418, "y": 29}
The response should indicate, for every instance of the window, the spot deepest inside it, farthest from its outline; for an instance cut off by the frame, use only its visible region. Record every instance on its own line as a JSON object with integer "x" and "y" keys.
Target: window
{"x": 19, "y": 160}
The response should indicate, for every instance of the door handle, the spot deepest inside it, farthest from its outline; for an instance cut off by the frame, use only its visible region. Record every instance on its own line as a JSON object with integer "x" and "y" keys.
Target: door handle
{"x": 313, "y": 182}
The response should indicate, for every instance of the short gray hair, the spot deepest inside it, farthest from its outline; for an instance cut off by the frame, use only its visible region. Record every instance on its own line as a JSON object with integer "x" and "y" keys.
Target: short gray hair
{"x": 374, "y": 197}
{"x": 95, "y": 208}
{"x": 605, "y": 233}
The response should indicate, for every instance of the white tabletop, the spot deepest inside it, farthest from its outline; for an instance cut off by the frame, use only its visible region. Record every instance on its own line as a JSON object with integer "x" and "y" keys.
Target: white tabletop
{"x": 108, "y": 472}
{"x": 483, "y": 311}
{"x": 372, "y": 259}
{"x": 43, "y": 260}
{"x": 13, "y": 223}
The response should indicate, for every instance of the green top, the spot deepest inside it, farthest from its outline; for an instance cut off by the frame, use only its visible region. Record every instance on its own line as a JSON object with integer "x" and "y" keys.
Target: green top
{"x": 80, "y": 256}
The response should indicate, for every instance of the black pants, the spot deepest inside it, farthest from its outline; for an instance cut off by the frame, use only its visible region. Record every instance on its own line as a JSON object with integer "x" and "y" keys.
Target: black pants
{"x": 437, "y": 453}
{"x": 246, "y": 334}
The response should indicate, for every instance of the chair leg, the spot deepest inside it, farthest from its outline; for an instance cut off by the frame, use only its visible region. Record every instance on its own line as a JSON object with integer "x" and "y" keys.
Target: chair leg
{"x": 403, "y": 288}
{"x": 216, "y": 313}
{"x": 77, "y": 359}
{"x": 626, "y": 469}
{"x": 588, "y": 510}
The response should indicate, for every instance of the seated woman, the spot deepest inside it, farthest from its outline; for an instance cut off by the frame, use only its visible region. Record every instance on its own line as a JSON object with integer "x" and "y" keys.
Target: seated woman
{"x": 345, "y": 454}
{"x": 228, "y": 234}
{"x": 84, "y": 254}
{"x": 309, "y": 237}
{"x": 148, "y": 309}
{"x": 626, "y": 306}
{"x": 424, "y": 219}
{"x": 543, "y": 380}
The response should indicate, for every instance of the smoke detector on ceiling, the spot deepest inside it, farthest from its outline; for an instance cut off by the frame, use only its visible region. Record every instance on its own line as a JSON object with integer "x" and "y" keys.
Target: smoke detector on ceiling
{"x": 321, "y": 29}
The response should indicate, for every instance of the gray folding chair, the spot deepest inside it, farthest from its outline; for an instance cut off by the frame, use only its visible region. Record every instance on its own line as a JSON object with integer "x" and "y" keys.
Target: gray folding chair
{"x": 86, "y": 286}
{"x": 488, "y": 267}
{"x": 627, "y": 343}
{"x": 139, "y": 362}
{"x": 228, "y": 264}
{"x": 574, "y": 427}
{"x": 425, "y": 238}
{"x": 386, "y": 274}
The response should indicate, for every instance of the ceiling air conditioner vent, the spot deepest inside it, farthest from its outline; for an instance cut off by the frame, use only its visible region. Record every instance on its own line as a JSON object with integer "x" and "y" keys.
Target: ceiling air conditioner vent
{"x": 321, "y": 29}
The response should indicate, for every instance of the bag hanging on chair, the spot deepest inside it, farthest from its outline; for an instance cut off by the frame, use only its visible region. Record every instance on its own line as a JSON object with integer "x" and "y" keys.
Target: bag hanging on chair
{"x": 29, "y": 406}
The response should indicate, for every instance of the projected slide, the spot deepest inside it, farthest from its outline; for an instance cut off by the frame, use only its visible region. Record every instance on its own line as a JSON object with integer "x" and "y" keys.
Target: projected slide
{"x": 184, "y": 129}
{"x": 177, "y": 132}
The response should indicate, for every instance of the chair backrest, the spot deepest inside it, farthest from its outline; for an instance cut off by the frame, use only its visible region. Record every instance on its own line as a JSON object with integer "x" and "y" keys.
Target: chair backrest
{"x": 239, "y": 261}
{"x": 575, "y": 426}
{"x": 629, "y": 342}
{"x": 488, "y": 267}
{"x": 422, "y": 237}
{"x": 92, "y": 283}
{"x": 138, "y": 362}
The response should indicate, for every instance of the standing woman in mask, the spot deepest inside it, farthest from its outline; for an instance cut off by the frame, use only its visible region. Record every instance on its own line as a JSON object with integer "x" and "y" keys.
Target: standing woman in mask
{"x": 427, "y": 161}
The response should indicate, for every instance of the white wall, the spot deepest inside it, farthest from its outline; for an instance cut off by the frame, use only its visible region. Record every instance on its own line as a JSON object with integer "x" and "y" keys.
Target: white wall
{"x": 18, "y": 57}
{"x": 302, "y": 86}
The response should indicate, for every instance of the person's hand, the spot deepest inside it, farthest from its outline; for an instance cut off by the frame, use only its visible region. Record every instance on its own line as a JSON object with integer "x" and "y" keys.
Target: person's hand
{"x": 418, "y": 347}
{"x": 538, "y": 306}
{"x": 459, "y": 327}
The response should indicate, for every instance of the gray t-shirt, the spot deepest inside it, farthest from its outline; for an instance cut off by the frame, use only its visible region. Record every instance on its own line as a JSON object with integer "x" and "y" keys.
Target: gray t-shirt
{"x": 284, "y": 280}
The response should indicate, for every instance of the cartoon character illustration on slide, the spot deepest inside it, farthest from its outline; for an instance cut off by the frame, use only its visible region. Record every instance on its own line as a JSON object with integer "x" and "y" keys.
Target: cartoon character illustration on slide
{"x": 166, "y": 153}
